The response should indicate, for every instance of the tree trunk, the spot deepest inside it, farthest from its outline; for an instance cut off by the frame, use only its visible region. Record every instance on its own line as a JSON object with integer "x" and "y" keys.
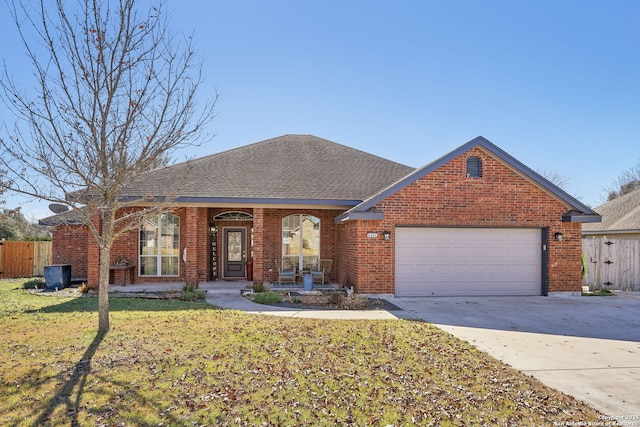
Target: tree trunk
{"x": 103, "y": 290}
{"x": 105, "y": 262}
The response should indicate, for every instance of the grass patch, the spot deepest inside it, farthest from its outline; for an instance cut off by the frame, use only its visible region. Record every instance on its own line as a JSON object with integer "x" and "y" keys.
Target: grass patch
{"x": 178, "y": 363}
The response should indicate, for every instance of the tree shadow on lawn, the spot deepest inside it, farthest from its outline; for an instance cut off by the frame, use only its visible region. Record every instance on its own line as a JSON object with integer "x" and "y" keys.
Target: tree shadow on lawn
{"x": 89, "y": 304}
{"x": 65, "y": 394}
{"x": 70, "y": 393}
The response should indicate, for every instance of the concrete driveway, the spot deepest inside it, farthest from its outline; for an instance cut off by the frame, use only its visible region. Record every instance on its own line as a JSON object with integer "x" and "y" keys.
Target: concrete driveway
{"x": 587, "y": 347}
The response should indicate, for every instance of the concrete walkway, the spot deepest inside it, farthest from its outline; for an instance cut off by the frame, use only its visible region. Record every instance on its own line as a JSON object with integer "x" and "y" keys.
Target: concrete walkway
{"x": 587, "y": 347}
{"x": 227, "y": 295}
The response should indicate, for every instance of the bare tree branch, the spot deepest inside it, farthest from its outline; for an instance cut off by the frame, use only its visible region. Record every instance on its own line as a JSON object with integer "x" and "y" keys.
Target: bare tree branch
{"x": 626, "y": 182}
{"x": 115, "y": 94}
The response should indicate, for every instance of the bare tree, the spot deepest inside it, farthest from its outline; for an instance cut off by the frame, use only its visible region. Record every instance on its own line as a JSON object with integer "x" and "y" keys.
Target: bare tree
{"x": 556, "y": 177}
{"x": 115, "y": 94}
{"x": 626, "y": 182}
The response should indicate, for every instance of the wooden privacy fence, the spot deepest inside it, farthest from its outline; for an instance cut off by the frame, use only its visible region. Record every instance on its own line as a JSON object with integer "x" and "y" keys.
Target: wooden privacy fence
{"x": 23, "y": 259}
{"x": 612, "y": 262}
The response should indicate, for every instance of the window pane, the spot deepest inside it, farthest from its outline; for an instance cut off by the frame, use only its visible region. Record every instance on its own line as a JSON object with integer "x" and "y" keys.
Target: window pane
{"x": 310, "y": 240}
{"x": 148, "y": 266}
{"x": 234, "y": 246}
{"x": 169, "y": 265}
{"x": 148, "y": 239}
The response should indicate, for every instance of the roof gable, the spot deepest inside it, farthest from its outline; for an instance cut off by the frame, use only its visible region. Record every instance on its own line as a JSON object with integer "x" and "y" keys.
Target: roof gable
{"x": 578, "y": 212}
{"x": 620, "y": 215}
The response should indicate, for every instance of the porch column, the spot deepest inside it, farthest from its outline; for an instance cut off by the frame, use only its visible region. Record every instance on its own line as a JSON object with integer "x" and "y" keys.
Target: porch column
{"x": 194, "y": 245}
{"x": 258, "y": 244}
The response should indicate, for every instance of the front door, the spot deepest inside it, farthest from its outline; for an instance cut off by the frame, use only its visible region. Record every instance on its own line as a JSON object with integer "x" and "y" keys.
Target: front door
{"x": 235, "y": 252}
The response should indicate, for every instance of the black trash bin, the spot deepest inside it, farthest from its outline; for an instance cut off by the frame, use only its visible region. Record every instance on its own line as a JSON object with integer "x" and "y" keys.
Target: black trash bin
{"x": 57, "y": 276}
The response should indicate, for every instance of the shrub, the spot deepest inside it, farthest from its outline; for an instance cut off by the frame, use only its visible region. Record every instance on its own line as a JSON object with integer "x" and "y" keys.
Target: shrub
{"x": 259, "y": 287}
{"x": 268, "y": 297}
{"x": 598, "y": 293}
{"x": 192, "y": 295}
{"x": 34, "y": 284}
{"x": 84, "y": 288}
{"x": 190, "y": 286}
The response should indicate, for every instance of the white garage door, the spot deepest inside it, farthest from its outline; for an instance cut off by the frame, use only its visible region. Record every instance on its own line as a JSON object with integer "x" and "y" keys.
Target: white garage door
{"x": 468, "y": 261}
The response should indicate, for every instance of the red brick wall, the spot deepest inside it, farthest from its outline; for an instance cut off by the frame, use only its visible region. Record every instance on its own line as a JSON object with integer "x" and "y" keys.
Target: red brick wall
{"x": 195, "y": 236}
{"x": 446, "y": 197}
{"x": 69, "y": 246}
{"x": 193, "y": 222}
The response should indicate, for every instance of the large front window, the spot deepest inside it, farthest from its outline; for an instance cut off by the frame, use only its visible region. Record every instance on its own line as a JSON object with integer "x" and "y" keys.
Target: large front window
{"x": 160, "y": 246}
{"x": 301, "y": 240}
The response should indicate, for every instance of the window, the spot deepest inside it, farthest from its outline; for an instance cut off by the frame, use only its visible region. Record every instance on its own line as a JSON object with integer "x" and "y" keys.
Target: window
{"x": 234, "y": 216}
{"x": 160, "y": 246}
{"x": 474, "y": 167}
{"x": 301, "y": 240}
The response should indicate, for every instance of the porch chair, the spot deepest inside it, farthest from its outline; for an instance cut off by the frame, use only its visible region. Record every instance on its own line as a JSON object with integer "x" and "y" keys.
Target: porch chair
{"x": 321, "y": 270}
{"x": 286, "y": 271}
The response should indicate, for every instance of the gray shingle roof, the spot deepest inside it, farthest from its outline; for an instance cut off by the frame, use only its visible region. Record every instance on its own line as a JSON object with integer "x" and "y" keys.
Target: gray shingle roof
{"x": 621, "y": 214}
{"x": 287, "y": 168}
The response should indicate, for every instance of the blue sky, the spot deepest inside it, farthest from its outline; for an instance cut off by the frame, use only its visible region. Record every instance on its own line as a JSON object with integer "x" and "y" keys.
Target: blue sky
{"x": 553, "y": 83}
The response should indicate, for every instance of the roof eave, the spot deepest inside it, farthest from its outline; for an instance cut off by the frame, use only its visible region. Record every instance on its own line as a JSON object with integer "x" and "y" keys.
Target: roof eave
{"x": 55, "y": 223}
{"x": 581, "y": 217}
{"x": 607, "y": 232}
{"x": 247, "y": 201}
{"x": 353, "y": 216}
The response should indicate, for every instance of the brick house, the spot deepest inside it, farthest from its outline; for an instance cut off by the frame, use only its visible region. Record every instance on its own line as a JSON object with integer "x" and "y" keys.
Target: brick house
{"x": 474, "y": 222}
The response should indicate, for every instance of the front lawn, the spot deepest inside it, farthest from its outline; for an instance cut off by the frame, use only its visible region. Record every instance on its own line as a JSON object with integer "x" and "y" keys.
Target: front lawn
{"x": 174, "y": 363}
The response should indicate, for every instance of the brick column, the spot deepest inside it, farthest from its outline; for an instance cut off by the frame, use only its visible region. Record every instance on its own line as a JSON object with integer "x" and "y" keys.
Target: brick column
{"x": 258, "y": 244}
{"x": 189, "y": 242}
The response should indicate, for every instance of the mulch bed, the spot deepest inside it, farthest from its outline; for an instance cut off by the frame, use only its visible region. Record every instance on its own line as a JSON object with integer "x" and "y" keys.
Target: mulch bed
{"x": 372, "y": 304}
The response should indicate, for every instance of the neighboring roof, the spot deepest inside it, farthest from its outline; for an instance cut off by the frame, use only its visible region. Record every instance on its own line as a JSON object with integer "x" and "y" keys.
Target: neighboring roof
{"x": 70, "y": 217}
{"x": 578, "y": 212}
{"x": 293, "y": 169}
{"x": 619, "y": 215}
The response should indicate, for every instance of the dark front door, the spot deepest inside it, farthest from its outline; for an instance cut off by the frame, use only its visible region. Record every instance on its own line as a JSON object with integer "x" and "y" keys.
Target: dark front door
{"x": 235, "y": 252}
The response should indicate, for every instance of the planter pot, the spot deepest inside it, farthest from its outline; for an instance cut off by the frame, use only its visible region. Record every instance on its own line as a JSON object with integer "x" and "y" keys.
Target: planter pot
{"x": 308, "y": 282}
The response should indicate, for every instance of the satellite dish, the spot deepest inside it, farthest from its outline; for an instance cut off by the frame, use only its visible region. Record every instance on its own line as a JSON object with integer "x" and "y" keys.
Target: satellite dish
{"x": 58, "y": 208}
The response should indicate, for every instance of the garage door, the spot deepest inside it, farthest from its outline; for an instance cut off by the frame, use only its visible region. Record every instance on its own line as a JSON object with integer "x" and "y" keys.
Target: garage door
{"x": 468, "y": 261}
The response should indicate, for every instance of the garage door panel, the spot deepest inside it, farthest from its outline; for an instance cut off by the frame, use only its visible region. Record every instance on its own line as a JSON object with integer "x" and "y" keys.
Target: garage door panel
{"x": 467, "y": 261}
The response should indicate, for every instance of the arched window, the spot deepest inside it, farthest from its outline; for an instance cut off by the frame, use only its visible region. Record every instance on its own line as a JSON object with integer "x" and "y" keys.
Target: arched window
{"x": 234, "y": 216}
{"x": 301, "y": 240}
{"x": 474, "y": 167}
{"x": 160, "y": 246}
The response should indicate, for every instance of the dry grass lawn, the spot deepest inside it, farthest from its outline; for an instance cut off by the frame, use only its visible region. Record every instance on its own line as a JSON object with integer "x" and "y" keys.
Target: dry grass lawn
{"x": 173, "y": 363}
